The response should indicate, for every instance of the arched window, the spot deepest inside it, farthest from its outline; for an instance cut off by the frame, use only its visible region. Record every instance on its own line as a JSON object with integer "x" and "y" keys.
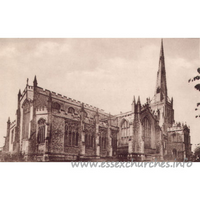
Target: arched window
{"x": 71, "y": 110}
{"x": 92, "y": 145}
{"x": 70, "y": 137}
{"x": 41, "y": 131}
{"x": 66, "y": 140}
{"x": 104, "y": 142}
{"x": 77, "y": 135}
{"x": 26, "y": 119}
{"x": 124, "y": 131}
{"x": 73, "y": 138}
{"x": 174, "y": 153}
{"x": 86, "y": 140}
{"x": 147, "y": 133}
{"x": 173, "y": 137}
{"x": 56, "y": 106}
{"x": 71, "y": 134}
{"x": 100, "y": 141}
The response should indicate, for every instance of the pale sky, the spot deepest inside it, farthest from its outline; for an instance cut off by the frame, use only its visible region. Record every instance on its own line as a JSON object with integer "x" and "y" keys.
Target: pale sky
{"x": 105, "y": 73}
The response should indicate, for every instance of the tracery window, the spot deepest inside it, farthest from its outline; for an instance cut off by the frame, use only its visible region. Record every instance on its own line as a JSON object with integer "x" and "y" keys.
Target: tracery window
{"x": 56, "y": 106}
{"x": 41, "y": 131}
{"x": 89, "y": 140}
{"x": 26, "y": 119}
{"x": 114, "y": 142}
{"x": 71, "y": 134}
{"x": 71, "y": 110}
{"x": 102, "y": 142}
{"x": 174, "y": 137}
{"x": 125, "y": 129}
{"x": 147, "y": 133}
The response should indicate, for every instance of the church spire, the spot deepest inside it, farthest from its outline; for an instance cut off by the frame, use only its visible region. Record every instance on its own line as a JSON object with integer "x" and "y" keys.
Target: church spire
{"x": 161, "y": 84}
{"x": 161, "y": 49}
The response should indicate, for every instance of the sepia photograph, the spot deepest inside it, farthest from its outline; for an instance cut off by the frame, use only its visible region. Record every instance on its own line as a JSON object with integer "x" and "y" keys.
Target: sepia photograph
{"x": 99, "y": 99}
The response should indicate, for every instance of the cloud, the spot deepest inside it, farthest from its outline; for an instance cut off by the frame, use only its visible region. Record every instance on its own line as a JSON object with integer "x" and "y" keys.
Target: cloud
{"x": 105, "y": 73}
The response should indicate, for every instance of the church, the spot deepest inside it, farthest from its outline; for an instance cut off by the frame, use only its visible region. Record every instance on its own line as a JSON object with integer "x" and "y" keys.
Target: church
{"x": 53, "y": 127}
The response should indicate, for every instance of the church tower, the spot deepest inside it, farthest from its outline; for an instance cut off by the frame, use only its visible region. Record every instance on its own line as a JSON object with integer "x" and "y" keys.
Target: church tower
{"x": 160, "y": 102}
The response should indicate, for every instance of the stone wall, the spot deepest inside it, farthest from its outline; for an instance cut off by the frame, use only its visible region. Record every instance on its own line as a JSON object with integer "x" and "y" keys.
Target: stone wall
{"x": 57, "y": 135}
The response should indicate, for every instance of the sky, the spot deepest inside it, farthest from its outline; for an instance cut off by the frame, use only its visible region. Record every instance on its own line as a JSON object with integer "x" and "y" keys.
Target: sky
{"x": 105, "y": 73}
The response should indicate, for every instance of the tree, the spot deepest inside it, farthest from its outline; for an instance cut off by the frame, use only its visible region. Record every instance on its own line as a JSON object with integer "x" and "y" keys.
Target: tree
{"x": 197, "y": 87}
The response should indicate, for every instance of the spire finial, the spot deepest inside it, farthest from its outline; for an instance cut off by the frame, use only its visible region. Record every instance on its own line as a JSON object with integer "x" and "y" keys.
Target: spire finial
{"x": 138, "y": 102}
{"x": 138, "y": 105}
{"x": 133, "y": 100}
{"x": 161, "y": 49}
{"x": 35, "y": 82}
{"x": 19, "y": 93}
{"x": 8, "y": 120}
{"x": 27, "y": 81}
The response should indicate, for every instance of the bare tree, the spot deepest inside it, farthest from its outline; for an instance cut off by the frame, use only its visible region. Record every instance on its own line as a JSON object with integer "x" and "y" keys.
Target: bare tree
{"x": 197, "y": 87}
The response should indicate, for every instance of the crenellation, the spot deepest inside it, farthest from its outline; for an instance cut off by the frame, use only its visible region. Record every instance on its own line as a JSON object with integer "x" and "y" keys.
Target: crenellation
{"x": 61, "y": 128}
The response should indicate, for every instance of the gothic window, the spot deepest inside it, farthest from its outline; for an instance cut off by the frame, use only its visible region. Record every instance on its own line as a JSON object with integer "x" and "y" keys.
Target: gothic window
{"x": 26, "y": 119}
{"x": 174, "y": 137}
{"x": 125, "y": 129}
{"x": 89, "y": 140}
{"x": 66, "y": 140}
{"x": 100, "y": 141}
{"x": 73, "y": 139}
{"x": 114, "y": 142}
{"x": 104, "y": 142}
{"x": 86, "y": 140}
{"x": 147, "y": 133}
{"x": 56, "y": 106}
{"x": 92, "y": 141}
{"x": 77, "y": 135}
{"x": 41, "y": 131}
{"x": 70, "y": 136}
{"x": 71, "y": 110}
{"x": 174, "y": 153}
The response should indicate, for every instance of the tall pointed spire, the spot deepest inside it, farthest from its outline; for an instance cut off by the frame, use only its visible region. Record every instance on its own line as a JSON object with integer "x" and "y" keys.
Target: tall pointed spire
{"x": 161, "y": 49}
{"x": 161, "y": 84}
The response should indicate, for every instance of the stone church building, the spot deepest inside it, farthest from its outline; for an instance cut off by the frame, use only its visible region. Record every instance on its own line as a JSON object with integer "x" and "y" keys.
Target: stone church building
{"x": 53, "y": 127}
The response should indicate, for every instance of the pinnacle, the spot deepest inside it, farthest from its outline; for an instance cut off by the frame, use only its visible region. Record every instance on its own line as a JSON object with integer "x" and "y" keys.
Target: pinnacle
{"x": 138, "y": 102}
